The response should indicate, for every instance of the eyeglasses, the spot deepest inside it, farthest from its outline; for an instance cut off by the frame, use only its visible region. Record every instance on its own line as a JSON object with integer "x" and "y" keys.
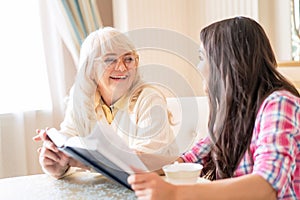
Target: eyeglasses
{"x": 129, "y": 60}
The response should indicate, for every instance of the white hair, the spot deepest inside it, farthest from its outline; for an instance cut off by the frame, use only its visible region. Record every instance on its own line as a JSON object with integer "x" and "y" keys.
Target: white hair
{"x": 97, "y": 44}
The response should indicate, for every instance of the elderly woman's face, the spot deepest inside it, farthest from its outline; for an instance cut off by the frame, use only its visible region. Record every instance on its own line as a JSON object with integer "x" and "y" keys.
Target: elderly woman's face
{"x": 119, "y": 73}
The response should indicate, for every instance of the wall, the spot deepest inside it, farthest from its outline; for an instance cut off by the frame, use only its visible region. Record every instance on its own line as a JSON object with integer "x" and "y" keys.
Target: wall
{"x": 182, "y": 21}
{"x": 169, "y": 21}
{"x": 157, "y": 62}
{"x": 291, "y": 70}
{"x": 274, "y": 16}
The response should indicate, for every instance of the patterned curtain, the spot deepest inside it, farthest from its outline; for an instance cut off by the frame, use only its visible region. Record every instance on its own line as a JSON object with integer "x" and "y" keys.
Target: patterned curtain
{"x": 295, "y": 23}
{"x": 82, "y": 17}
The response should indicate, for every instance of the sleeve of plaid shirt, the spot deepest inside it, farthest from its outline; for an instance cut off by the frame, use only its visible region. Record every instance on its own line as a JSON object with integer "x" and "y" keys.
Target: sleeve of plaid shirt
{"x": 199, "y": 152}
{"x": 277, "y": 141}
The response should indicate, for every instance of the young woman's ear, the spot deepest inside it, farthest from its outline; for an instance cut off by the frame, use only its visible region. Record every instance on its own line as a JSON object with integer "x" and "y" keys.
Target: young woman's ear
{"x": 137, "y": 60}
{"x": 205, "y": 87}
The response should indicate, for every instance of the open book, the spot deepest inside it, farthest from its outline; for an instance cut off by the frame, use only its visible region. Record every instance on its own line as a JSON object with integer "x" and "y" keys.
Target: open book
{"x": 103, "y": 150}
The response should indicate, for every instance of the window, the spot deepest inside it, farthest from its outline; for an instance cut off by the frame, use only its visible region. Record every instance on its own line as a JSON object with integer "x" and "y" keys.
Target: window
{"x": 295, "y": 5}
{"x": 23, "y": 78}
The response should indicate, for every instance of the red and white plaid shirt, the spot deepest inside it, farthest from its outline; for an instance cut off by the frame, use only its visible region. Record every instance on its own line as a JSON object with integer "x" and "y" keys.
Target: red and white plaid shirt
{"x": 275, "y": 146}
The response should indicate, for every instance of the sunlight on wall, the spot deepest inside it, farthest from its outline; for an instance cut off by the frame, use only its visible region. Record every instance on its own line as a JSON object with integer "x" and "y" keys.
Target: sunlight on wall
{"x": 23, "y": 78}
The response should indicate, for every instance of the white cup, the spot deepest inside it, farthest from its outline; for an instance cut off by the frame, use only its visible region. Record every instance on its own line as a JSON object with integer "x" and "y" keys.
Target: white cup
{"x": 182, "y": 173}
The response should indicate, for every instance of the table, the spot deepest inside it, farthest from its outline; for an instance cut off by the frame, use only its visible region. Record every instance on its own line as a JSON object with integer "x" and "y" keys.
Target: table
{"x": 80, "y": 185}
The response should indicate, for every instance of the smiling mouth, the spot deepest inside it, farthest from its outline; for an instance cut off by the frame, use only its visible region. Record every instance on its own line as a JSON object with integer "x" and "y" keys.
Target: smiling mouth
{"x": 119, "y": 77}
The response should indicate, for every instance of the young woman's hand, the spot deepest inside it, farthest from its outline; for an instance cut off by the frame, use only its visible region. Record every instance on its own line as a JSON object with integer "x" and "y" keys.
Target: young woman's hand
{"x": 151, "y": 186}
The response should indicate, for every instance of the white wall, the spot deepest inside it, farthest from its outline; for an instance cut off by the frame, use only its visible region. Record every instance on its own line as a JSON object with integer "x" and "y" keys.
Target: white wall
{"x": 274, "y": 16}
{"x": 182, "y": 20}
{"x": 292, "y": 73}
{"x": 172, "y": 20}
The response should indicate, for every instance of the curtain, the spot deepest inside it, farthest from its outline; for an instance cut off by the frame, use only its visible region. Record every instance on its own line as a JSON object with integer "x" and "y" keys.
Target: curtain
{"x": 295, "y": 24}
{"x": 18, "y": 154}
{"x": 23, "y": 81}
{"x": 65, "y": 24}
{"x": 81, "y": 18}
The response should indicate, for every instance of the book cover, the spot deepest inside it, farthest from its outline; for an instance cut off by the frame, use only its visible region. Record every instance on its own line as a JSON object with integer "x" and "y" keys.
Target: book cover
{"x": 103, "y": 150}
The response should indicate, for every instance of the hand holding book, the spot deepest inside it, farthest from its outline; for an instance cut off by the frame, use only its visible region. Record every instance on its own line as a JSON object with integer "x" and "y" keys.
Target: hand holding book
{"x": 105, "y": 152}
{"x": 102, "y": 150}
{"x": 53, "y": 161}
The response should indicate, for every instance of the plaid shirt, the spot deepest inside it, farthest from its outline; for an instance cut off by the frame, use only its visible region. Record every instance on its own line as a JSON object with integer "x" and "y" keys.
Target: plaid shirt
{"x": 275, "y": 146}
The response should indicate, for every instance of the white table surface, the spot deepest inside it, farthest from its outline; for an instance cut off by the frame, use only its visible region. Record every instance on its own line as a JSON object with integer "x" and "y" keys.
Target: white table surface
{"x": 81, "y": 185}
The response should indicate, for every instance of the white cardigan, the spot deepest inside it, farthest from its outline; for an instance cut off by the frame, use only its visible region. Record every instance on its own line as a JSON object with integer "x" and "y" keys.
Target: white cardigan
{"x": 145, "y": 129}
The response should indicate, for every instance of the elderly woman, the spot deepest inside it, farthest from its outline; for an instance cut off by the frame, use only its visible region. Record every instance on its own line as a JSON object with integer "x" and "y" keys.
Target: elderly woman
{"x": 108, "y": 87}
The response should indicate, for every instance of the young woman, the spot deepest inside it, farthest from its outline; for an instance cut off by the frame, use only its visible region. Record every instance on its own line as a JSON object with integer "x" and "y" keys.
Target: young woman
{"x": 108, "y": 87}
{"x": 253, "y": 148}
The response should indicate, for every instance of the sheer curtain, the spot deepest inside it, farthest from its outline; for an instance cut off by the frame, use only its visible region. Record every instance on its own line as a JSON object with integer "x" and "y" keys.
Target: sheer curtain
{"x": 25, "y": 99}
{"x": 65, "y": 24}
{"x": 60, "y": 53}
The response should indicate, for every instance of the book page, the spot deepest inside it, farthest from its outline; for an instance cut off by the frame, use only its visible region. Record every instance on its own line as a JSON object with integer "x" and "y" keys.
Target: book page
{"x": 56, "y": 137}
{"x": 105, "y": 140}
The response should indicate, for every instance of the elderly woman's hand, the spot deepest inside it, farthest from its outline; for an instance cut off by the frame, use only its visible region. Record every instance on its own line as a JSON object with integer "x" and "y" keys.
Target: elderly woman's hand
{"x": 53, "y": 161}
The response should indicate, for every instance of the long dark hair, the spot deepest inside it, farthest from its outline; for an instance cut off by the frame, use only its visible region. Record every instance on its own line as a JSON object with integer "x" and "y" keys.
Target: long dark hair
{"x": 242, "y": 74}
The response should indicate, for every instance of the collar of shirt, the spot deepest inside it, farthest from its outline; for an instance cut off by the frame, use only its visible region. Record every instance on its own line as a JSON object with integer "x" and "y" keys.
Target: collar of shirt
{"x": 109, "y": 111}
